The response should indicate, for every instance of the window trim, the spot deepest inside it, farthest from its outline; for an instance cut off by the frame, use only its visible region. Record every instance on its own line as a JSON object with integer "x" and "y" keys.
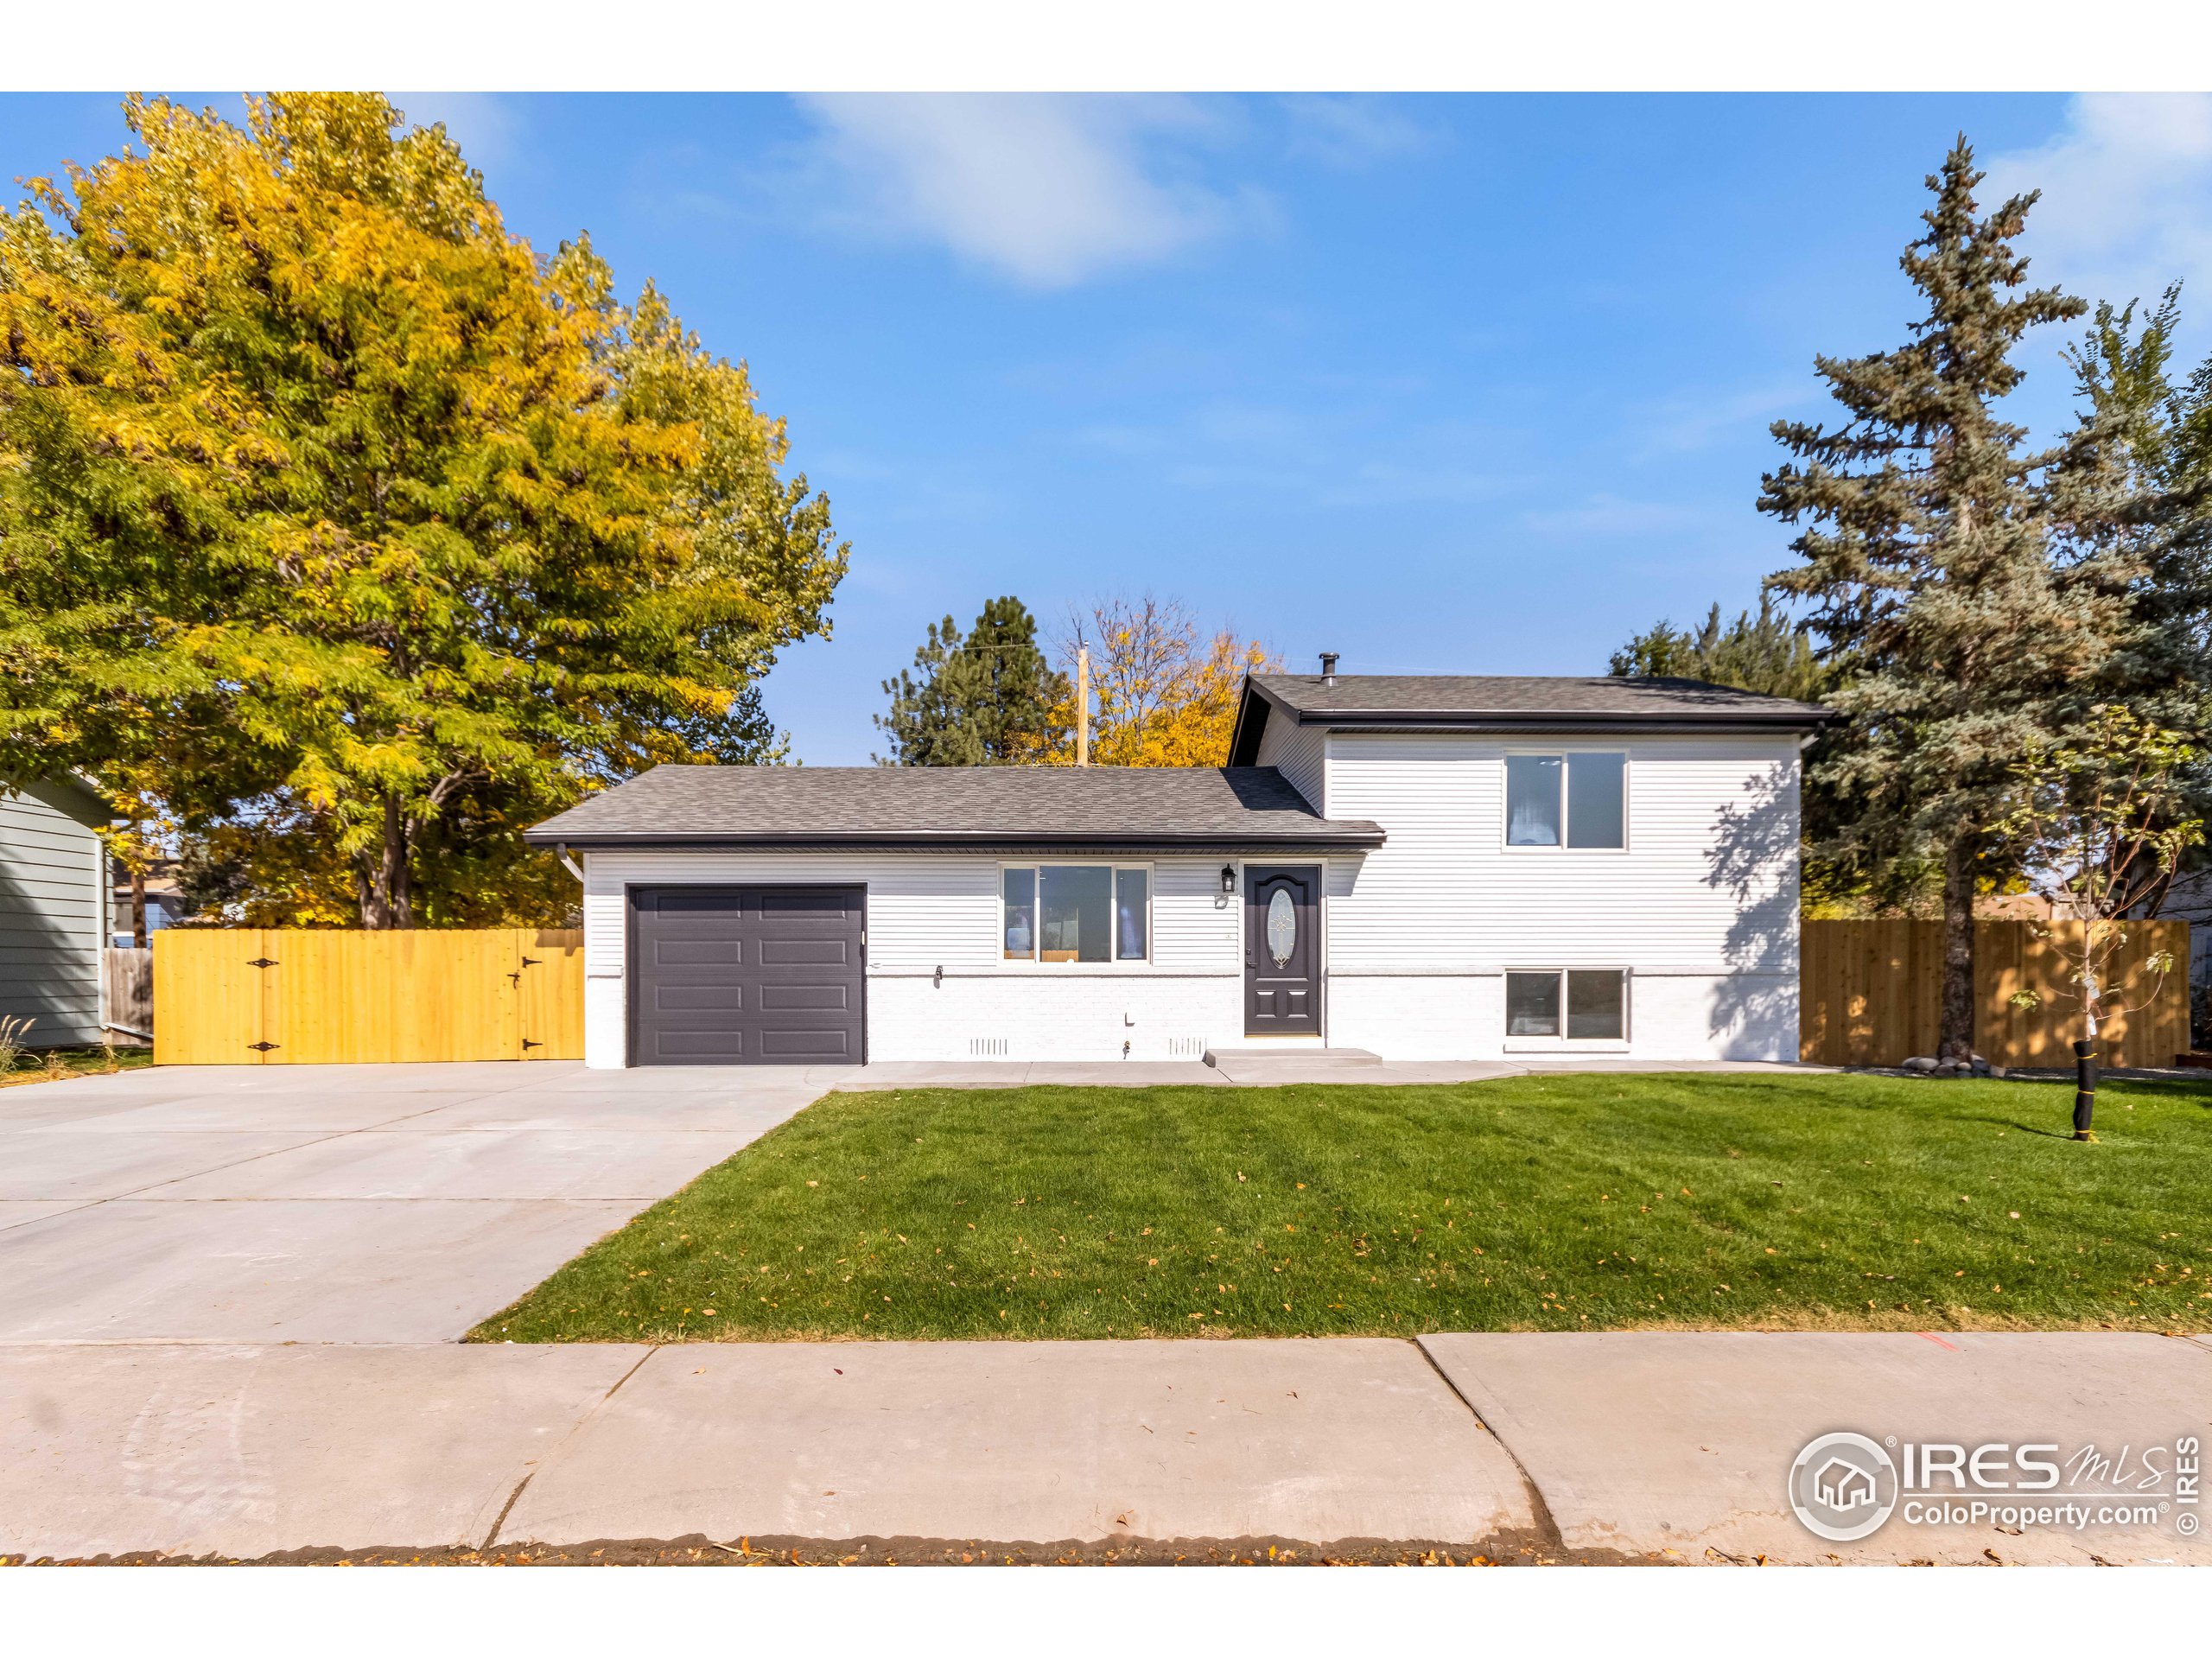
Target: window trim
{"x": 1564, "y": 1043}
{"x": 1034, "y": 963}
{"x": 1561, "y": 752}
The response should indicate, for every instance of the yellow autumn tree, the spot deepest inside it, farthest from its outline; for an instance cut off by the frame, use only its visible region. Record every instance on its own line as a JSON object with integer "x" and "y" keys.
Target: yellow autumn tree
{"x": 1162, "y": 693}
{"x": 348, "y": 533}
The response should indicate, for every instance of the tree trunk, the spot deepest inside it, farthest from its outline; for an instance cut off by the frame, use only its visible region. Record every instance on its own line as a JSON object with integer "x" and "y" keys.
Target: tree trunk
{"x": 138, "y": 908}
{"x": 387, "y": 899}
{"x": 1954, "y": 1029}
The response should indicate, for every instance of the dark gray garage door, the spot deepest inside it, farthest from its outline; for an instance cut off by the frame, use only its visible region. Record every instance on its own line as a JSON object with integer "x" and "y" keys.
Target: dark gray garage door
{"x": 746, "y": 975}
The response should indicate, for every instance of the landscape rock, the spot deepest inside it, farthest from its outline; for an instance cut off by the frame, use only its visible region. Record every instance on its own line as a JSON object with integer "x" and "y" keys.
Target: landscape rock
{"x": 1918, "y": 1063}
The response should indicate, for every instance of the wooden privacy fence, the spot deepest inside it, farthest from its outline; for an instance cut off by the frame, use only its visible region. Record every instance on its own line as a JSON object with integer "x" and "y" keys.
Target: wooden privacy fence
{"x": 1870, "y": 991}
{"x": 130, "y": 974}
{"x": 278, "y": 996}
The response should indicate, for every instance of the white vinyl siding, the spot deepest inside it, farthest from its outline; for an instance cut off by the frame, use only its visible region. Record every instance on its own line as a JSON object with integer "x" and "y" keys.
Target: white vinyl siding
{"x": 1299, "y": 753}
{"x": 931, "y": 911}
{"x": 52, "y": 921}
{"x": 926, "y": 911}
{"x": 1708, "y": 885}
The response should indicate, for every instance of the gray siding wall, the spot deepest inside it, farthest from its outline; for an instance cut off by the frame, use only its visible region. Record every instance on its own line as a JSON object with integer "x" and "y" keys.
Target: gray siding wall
{"x": 51, "y": 921}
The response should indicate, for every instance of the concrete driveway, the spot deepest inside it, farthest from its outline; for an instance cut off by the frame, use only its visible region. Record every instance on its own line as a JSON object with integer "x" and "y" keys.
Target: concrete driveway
{"x": 372, "y": 1203}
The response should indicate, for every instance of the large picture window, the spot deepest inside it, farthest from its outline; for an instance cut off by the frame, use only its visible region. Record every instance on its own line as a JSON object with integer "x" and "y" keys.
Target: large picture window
{"x": 1075, "y": 913}
{"x": 1580, "y": 1004}
{"x": 1578, "y": 799}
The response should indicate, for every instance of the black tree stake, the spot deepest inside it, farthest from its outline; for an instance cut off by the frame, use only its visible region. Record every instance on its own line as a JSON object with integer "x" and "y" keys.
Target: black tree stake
{"x": 2085, "y": 1089}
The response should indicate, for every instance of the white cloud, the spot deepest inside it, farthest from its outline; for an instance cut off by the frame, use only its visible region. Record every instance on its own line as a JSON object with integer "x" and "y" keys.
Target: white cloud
{"x": 1694, "y": 421}
{"x": 1334, "y": 458}
{"x": 1049, "y": 190}
{"x": 2126, "y": 204}
{"x": 1351, "y": 131}
{"x": 1604, "y": 515}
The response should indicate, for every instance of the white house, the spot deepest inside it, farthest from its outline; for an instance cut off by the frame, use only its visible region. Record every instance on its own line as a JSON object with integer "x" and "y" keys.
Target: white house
{"x": 1430, "y": 868}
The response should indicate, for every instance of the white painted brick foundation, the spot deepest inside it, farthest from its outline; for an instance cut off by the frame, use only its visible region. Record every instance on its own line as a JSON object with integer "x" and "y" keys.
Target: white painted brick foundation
{"x": 1051, "y": 1017}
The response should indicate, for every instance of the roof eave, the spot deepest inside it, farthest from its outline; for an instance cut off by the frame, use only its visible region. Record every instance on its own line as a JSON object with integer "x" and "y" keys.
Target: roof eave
{"x": 1674, "y": 721}
{"x": 1361, "y": 838}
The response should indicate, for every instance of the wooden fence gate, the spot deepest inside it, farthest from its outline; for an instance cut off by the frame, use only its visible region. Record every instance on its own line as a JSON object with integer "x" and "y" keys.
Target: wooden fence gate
{"x": 130, "y": 974}
{"x": 1871, "y": 990}
{"x": 234, "y": 996}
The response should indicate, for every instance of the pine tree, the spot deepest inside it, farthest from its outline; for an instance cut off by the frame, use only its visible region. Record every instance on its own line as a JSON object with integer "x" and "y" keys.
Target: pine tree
{"x": 1766, "y": 653}
{"x": 1936, "y": 555}
{"x": 980, "y": 699}
{"x": 2150, "y": 503}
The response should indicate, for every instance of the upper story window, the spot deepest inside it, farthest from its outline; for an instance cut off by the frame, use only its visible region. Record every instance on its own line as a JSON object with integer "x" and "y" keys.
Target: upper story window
{"x": 1075, "y": 913}
{"x": 1575, "y": 800}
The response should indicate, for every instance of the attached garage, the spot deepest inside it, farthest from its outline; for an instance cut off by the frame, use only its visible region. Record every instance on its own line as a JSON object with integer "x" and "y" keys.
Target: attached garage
{"x": 752, "y": 976}
{"x": 837, "y": 915}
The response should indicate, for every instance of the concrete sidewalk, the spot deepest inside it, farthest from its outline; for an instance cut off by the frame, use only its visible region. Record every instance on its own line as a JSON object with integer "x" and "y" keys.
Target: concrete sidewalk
{"x": 1258, "y": 1068}
{"x": 1677, "y": 1444}
{"x": 1656, "y": 1446}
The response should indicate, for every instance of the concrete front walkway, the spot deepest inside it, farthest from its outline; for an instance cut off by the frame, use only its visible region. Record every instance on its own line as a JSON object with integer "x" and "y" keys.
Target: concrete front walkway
{"x": 1661, "y": 1447}
{"x": 1252, "y": 1068}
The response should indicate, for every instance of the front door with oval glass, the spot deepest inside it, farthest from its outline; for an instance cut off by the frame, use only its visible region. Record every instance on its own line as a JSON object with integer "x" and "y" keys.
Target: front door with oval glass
{"x": 1283, "y": 950}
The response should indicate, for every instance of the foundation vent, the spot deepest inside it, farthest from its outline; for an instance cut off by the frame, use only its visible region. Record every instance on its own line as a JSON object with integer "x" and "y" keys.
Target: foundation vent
{"x": 1186, "y": 1048}
{"x": 987, "y": 1046}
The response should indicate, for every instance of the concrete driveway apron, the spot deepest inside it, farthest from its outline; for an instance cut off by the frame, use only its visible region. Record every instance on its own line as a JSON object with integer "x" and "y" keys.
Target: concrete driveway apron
{"x": 339, "y": 1203}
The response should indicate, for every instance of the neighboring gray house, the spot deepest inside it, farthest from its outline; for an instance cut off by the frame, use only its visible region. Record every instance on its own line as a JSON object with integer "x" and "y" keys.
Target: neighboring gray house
{"x": 53, "y": 904}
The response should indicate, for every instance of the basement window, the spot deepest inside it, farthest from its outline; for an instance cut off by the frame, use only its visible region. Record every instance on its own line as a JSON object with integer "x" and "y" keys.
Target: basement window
{"x": 1578, "y": 1004}
{"x": 1075, "y": 913}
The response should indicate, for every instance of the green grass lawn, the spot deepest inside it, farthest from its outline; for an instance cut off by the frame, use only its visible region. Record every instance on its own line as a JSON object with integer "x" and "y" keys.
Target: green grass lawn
{"x": 1562, "y": 1203}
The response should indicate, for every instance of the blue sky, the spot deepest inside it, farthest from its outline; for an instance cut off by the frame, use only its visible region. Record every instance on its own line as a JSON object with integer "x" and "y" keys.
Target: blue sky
{"x": 1453, "y": 385}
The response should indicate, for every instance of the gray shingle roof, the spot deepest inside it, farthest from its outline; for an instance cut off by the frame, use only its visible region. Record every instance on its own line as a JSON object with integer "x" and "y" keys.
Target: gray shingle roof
{"x": 1039, "y": 806}
{"x": 1470, "y": 696}
{"x": 1508, "y": 702}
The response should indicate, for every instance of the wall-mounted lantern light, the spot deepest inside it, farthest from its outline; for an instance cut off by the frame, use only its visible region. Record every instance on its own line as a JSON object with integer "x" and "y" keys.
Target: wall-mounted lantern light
{"x": 1229, "y": 879}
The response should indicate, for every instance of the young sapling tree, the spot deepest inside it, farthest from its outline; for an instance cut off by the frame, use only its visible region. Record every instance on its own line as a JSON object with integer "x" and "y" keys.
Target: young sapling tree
{"x": 2099, "y": 822}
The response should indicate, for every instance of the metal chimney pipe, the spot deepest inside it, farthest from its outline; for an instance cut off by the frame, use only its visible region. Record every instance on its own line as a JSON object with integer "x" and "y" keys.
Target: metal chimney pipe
{"x": 1328, "y": 668}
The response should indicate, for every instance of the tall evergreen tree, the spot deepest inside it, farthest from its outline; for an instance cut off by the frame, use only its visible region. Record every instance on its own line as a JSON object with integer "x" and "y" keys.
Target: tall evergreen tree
{"x": 2150, "y": 505}
{"x": 980, "y": 699}
{"x": 2151, "y": 502}
{"x": 1936, "y": 555}
{"x": 1767, "y": 653}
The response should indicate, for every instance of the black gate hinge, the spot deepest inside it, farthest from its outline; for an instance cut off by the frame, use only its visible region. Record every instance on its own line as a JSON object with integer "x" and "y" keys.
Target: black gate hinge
{"x": 262, "y": 962}
{"x": 265, "y": 1047}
